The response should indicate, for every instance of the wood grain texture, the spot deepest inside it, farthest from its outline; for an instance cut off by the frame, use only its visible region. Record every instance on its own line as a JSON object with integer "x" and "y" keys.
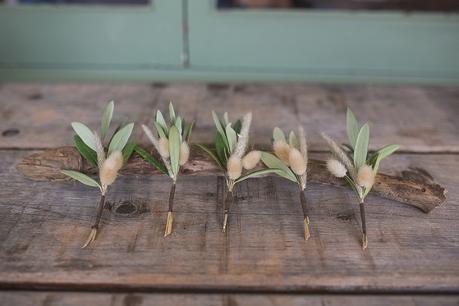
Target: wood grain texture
{"x": 420, "y": 119}
{"x": 30, "y": 298}
{"x": 43, "y": 226}
{"x": 412, "y": 186}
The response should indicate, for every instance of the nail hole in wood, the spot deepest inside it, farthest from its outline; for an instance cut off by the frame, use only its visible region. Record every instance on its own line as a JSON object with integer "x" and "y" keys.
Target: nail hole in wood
{"x": 125, "y": 208}
{"x": 10, "y": 132}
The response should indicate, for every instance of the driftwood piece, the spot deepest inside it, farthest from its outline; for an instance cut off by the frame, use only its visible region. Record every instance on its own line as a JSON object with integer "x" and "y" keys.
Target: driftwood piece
{"x": 411, "y": 187}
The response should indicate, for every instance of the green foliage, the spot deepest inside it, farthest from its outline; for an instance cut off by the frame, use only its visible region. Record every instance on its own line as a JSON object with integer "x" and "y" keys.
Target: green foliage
{"x": 127, "y": 151}
{"x": 257, "y": 173}
{"x": 212, "y": 155}
{"x": 106, "y": 119}
{"x": 174, "y": 149}
{"x": 81, "y": 177}
{"x": 278, "y": 135}
{"x": 293, "y": 140}
{"x": 150, "y": 159}
{"x": 361, "y": 146}
{"x": 120, "y": 138}
{"x": 272, "y": 162}
{"x": 85, "y": 151}
{"x": 352, "y": 128}
{"x": 85, "y": 134}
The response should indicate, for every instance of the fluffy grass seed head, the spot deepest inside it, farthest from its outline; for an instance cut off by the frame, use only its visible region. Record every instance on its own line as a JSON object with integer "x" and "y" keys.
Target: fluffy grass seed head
{"x": 336, "y": 168}
{"x": 366, "y": 176}
{"x": 234, "y": 167}
{"x": 184, "y": 153}
{"x": 163, "y": 147}
{"x": 296, "y": 161}
{"x": 110, "y": 168}
{"x": 282, "y": 150}
{"x": 251, "y": 159}
{"x": 243, "y": 138}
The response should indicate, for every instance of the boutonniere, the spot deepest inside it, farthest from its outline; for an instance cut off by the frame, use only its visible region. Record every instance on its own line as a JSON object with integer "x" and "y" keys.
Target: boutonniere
{"x": 290, "y": 159}
{"x": 231, "y": 142}
{"x": 107, "y": 159}
{"x": 353, "y": 163}
{"x": 171, "y": 142}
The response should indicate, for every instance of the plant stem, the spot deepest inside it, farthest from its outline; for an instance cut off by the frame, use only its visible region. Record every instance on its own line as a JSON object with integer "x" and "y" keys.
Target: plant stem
{"x": 303, "y": 202}
{"x": 364, "y": 224}
{"x": 95, "y": 226}
{"x": 170, "y": 216}
{"x": 227, "y": 201}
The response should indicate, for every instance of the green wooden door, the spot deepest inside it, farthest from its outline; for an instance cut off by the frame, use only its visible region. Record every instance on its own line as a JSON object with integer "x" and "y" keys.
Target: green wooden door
{"x": 81, "y": 42}
{"x": 323, "y": 45}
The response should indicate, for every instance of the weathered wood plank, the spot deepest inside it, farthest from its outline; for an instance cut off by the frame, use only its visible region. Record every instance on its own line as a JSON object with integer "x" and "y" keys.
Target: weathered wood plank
{"x": 31, "y": 298}
{"x": 43, "y": 226}
{"x": 420, "y": 119}
{"x": 410, "y": 187}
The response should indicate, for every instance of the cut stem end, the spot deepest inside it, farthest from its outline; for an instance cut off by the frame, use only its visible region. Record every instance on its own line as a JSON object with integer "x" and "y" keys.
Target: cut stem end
{"x": 91, "y": 238}
{"x": 169, "y": 222}
{"x": 307, "y": 233}
{"x": 364, "y": 241}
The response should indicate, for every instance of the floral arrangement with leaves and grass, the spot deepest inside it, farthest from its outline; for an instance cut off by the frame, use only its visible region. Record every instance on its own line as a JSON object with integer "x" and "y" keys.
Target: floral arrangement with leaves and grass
{"x": 290, "y": 159}
{"x": 171, "y": 141}
{"x": 231, "y": 143}
{"x": 353, "y": 163}
{"x": 106, "y": 155}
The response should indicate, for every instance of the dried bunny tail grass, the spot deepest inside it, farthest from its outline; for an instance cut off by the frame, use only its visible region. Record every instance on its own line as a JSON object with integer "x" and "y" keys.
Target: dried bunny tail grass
{"x": 340, "y": 155}
{"x": 366, "y": 176}
{"x": 297, "y": 162}
{"x": 99, "y": 150}
{"x": 282, "y": 150}
{"x": 251, "y": 160}
{"x": 184, "y": 153}
{"x": 163, "y": 147}
{"x": 336, "y": 168}
{"x": 110, "y": 168}
{"x": 155, "y": 143}
{"x": 234, "y": 167}
{"x": 241, "y": 144}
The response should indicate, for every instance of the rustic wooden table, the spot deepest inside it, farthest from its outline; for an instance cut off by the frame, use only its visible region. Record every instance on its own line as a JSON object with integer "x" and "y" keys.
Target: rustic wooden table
{"x": 413, "y": 257}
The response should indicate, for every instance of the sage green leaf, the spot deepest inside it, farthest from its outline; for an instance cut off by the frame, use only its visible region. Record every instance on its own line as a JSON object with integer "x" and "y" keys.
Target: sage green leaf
{"x": 150, "y": 159}
{"x": 257, "y": 173}
{"x": 351, "y": 183}
{"x": 82, "y": 178}
{"x": 174, "y": 149}
{"x": 89, "y": 154}
{"x": 171, "y": 112}
{"x": 361, "y": 146}
{"x": 237, "y": 126}
{"x": 187, "y": 132}
{"x": 106, "y": 119}
{"x": 121, "y": 138}
{"x": 225, "y": 118}
{"x": 293, "y": 140}
{"x": 212, "y": 155}
{"x": 273, "y": 162}
{"x": 232, "y": 138}
{"x": 127, "y": 151}
{"x": 219, "y": 127}
{"x": 383, "y": 153}
{"x": 220, "y": 149}
{"x": 352, "y": 127}
{"x": 160, "y": 120}
{"x": 160, "y": 131}
{"x": 85, "y": 134}
{"x": 178, "y": 124}
{"x": 278, "y": 135}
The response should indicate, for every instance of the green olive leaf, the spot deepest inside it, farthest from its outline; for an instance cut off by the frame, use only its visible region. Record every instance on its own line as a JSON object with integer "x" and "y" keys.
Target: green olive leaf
{"x": 257, "y": 173}
{"x": 232, "y": 138}
{"x": 220, "y": 149}
{"x": 212, "y": 155}
{"x": 174, "y": 149}
{"x": 106, "y": 119}
{"x": 82, "y": 178}
{"x": 225, "y": 118}
{"x": 352, "y": 127}
{"x": 381, "y": 154}
{"x": 89, "y": 154}
{"x": 273, "y": 162}
{"x": 121, "y": 138}
{"x": 171, "y": 112}
{"x": 361, "y": 146}
{"x": 237, "y": 126}
{"x": 187, "y": 132}
{"x": 160, "y": 120}
{"x": 219, "y": 127}
{"x": 278, "y": 135}
{"x": 160, "y": 131}
{"x": 85, "y": 134}
{"x": 127, "y": 151}
{"x": 178, "y": 124}
{"x": 150, "y": 159}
